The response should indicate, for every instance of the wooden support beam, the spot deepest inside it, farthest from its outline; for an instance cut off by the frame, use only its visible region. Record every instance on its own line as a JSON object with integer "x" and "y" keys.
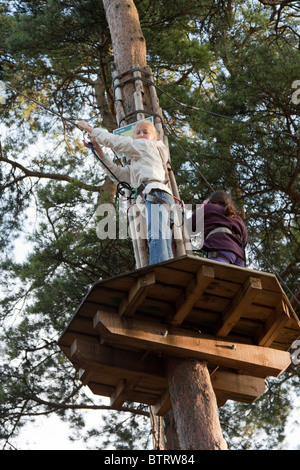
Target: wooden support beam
{"x": 93, "y": 356}
{"x": 101, "y": 389}
{"x": 136, "y": 294}
{"x": 204, "y": 276}
{"x": 151, "y": 335}
{"x": 119, "y": 395}
{"x": 227, "y": 386}
{"x": 84, "y": 376}
{"x": 239, "y": 387}
{"x": 163, "y": 404}
{"x": 274, "y": 323}
{"x": 239, "y": 304}
{"x": 221, "y": 400}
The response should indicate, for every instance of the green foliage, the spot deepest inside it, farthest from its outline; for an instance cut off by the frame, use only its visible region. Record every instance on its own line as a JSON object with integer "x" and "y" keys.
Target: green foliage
{"x": 262, "y": 425}
{"x": 121, "y": 431}
{"x": 233, "y": 65}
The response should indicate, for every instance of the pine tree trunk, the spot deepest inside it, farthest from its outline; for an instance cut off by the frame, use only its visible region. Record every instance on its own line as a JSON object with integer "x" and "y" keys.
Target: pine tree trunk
{"x": 129, "y": 46}
{"x": 194, "y": 405}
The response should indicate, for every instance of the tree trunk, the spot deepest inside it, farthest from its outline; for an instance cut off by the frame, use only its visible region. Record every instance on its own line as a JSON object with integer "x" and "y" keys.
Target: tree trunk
{"x": 194, "y": 405}
{"x": 129, "y": 46}
{"x": 129, "y": 51}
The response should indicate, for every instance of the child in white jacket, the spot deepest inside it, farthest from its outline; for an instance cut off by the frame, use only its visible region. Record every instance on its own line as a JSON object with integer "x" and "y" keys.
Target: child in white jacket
{"x": 148, "y": 157}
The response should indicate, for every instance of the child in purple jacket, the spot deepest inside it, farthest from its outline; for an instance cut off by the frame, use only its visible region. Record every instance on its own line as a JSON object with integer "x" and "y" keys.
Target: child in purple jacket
{"x": 225, "y": 234}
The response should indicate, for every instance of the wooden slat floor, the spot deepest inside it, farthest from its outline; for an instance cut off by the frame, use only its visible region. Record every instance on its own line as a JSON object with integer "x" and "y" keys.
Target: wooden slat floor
{"x": 192, "y": 293}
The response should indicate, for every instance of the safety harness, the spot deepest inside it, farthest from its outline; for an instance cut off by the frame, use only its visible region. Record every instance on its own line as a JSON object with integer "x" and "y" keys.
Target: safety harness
{"x": 216, "y": 254}
{"x": 125, "y": 189}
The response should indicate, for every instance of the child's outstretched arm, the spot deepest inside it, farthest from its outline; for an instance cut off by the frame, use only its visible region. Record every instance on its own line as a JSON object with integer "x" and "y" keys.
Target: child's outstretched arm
{"x": 84, "y": 126}
{"x": 118, "y": 143}
{"x": 122, "y": 173}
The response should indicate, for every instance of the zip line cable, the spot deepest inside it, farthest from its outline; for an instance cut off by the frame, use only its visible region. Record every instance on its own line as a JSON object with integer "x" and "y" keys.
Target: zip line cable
{"x": 195, "y": 108}
{"x": 188, "y": 157}
{"x": 122, "y": 185}
{"x": 71, "y": 121}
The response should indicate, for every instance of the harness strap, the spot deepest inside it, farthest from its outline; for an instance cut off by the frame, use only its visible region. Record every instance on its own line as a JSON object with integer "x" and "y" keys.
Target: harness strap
{"x": 138, "y": 191}
{"x": 216, "y": 254}
{"x": 219, "y": 229}
{"x": 156, "y": 200}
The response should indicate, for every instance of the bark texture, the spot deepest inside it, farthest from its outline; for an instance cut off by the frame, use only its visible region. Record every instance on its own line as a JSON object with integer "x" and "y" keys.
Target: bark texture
{"x": 129, "y": 45}
{"x": 128, "y": 42}
{"x": 194, "y": 405}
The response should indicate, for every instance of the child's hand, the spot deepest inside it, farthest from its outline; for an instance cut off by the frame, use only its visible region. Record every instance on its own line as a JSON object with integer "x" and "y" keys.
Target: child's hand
{"x": 83, "y": 126}
{"x": 96, "y": 146}
{"x": 86, "y": 144}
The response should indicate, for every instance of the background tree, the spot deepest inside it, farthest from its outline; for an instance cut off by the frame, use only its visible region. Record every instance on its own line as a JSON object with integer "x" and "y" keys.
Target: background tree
{"x": 224, "y": 72}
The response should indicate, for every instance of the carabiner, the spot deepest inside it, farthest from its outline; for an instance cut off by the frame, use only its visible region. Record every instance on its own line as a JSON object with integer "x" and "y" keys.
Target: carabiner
{"x": 121, "y": 189}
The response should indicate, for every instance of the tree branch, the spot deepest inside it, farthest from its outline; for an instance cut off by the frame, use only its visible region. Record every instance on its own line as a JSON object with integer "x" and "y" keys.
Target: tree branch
{"x": 39, "y": 174}
{"x": 282, "y": 3}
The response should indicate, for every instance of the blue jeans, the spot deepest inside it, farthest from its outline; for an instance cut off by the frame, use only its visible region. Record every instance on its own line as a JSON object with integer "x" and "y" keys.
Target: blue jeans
{"x": 232, "y": 258}
{"x": 159, "y": 233}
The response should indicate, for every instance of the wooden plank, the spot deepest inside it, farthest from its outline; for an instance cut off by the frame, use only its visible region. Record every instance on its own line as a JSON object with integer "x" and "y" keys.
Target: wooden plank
{"x": 239, "y": 304}
{"x": 119, "y": 395}
{"x": 115, "y": 361}
{"x": 137, "y": 294}
{"x": 238, "y": 387}
{"x": 273, "y": 325}
{"x": 84, "y": 376}
{"x": 162, "y": 405}
{"x": 101, "y": 389}
{"x": 70, "y": 335}
{"x": 256, "y": 360}
{"x": 236, "y": 274}
{"x": 103, "y": 377}
{"x": 285, "y": 338}
{"x": 221, "y": 399}
{"x": 142, "y": 397}
{"x": 172, "y": 277}
{"x": 223, "y": 289}
{"x": 193, "y": 291}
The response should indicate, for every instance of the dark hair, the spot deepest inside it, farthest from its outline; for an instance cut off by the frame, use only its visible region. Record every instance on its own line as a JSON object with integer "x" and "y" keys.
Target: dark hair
{"x": 224, "y": 199}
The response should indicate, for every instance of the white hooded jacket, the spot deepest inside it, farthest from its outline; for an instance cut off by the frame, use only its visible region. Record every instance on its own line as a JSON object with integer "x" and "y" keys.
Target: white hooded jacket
{"x": 148, "y": 158}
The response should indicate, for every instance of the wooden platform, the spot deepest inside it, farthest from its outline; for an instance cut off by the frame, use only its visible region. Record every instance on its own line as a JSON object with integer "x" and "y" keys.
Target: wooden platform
{"x": 238, "y": 320}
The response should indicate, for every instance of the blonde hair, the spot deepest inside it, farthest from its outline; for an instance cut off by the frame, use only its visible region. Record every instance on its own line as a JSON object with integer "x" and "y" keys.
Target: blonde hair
{"x": 150, "y": 126}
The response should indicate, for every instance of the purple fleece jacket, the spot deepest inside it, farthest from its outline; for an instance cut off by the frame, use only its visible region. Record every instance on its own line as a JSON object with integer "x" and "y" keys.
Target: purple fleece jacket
{"x": 214, "y": 217}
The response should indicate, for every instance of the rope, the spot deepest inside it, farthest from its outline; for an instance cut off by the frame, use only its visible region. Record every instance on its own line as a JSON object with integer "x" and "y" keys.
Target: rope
{"x": 122, "y": 185}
